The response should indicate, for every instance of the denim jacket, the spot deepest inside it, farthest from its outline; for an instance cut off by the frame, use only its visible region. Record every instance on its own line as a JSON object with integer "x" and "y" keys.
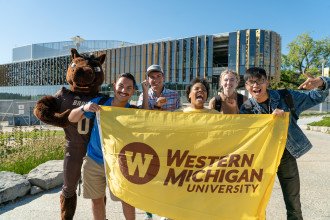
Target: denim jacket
{"x": 297, "y": 143}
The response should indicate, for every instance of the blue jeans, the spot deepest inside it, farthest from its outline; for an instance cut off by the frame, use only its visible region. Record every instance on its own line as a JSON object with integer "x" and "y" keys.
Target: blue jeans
{"x": 288, "y": 175}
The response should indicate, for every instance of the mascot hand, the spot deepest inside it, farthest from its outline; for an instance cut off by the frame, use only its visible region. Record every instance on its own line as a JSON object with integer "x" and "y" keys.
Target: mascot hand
{"x": 47, "y": 111}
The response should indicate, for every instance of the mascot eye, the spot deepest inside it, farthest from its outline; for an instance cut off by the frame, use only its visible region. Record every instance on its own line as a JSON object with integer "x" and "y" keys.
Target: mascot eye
{"x": 97, "y": 69}
{"x": 73, "y": 65}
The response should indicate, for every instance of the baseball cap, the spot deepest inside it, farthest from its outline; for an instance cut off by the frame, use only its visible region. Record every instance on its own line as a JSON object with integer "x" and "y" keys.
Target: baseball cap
{"x": 154, "y": 68}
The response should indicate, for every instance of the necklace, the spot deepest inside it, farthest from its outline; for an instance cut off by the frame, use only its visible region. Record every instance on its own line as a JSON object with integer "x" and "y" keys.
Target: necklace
{"x": 230, "y": 105}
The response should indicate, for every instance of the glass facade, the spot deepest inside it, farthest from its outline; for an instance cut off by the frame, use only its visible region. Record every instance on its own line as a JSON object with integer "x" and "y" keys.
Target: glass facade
{"x": 242, "y": 52}
{"x": 56, "y": 49}
{"x": 35, "y": 73}
{"x": 255, "y": 47}
{"x": 183, "y": 59}
{"x": 232, "y": 48}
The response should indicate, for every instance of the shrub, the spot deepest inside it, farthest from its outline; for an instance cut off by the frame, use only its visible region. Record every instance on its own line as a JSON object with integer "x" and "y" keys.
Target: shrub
{"x": 21, "y": 151}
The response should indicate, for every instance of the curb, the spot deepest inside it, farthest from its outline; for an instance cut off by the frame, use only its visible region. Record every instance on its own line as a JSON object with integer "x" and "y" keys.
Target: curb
{"x": 322, "y": 129}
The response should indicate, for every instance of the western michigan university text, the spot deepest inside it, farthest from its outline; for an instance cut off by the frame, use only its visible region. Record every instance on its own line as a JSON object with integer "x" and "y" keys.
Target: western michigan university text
{"x": 213, "y": 174}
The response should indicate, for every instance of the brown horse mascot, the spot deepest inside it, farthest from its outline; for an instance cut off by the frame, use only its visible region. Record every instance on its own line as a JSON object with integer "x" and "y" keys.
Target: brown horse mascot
{"x": 85, "y": 76}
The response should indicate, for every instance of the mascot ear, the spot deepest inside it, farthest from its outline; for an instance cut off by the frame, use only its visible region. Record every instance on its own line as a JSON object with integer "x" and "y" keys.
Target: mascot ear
{"x": 101, "y": 58}
{"x": 74, "y": 53}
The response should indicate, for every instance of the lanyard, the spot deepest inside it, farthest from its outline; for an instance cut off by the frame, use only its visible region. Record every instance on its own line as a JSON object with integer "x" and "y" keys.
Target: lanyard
{"x": 260, "y": 108}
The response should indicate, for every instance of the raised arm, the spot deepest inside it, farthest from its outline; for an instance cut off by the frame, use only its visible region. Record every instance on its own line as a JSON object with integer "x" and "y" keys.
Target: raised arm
{"x": 319, "y": 90}
{"x": 312, "y": 83}
{"x": 145, "y": 87}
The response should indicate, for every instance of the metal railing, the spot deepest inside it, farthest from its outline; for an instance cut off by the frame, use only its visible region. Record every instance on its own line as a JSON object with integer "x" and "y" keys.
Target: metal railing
{"x": 20, "y": 112}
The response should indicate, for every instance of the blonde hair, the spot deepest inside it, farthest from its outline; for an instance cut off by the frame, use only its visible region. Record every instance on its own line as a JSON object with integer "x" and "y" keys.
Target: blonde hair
{"x": 225, "y": 72}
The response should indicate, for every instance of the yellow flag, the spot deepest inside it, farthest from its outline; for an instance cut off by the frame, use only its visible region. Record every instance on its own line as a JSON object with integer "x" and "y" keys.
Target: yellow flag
{"x": 192, "y": 165}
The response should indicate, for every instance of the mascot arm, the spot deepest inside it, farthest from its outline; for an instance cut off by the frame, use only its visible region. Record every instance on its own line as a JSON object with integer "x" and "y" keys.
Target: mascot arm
{"x": 47, "y": 111}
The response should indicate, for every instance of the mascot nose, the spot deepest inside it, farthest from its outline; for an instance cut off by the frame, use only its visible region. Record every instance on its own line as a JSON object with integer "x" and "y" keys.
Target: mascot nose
{"x": 84, "y": 76}
{"x": 85, "y": 72}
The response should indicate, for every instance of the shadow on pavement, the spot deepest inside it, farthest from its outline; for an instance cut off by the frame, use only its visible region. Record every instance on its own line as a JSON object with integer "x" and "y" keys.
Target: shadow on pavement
{"x": 8, "y": 206}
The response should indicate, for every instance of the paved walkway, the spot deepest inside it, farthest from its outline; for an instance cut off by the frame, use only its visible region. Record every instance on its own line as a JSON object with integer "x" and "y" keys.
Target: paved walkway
{"x": 304, "y": 120}
{"x": 315, "y": 194}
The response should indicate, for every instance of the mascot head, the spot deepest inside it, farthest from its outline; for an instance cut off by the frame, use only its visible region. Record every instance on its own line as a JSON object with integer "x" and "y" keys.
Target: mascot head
{"x": 85, "y": 74}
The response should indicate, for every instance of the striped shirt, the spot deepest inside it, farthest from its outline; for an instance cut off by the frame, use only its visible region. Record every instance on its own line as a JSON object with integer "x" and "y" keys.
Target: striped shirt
{"x": 172, "y": 97}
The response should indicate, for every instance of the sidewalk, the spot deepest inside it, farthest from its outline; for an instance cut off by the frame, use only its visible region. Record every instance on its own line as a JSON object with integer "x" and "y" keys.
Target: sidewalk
{"x": 314, "y": 174}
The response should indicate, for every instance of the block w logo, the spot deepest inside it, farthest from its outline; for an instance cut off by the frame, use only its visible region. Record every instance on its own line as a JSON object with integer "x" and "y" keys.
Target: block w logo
{"x": 139, "y": 163}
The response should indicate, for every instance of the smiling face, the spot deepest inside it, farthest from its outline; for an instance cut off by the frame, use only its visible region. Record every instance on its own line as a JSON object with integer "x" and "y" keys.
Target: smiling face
{"x": 229, "y": 83}
{"x": 198, "y": 95}
{"x": 257, "y": 87}
{"x": 124, "y": 89}
{"x": 156, "y": 81}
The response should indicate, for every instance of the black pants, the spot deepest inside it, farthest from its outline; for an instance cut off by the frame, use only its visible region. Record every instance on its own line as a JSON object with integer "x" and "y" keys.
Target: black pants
{"x": 288, "y": 175}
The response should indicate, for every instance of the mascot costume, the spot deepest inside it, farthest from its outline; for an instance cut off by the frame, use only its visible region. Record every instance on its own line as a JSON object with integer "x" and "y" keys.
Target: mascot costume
{"x": 85, "y": 77}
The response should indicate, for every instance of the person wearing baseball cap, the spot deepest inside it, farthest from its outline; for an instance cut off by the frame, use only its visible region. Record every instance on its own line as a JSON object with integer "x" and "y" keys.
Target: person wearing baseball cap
{"x": 160, "y": 98}
{"x": 154, "y": 68}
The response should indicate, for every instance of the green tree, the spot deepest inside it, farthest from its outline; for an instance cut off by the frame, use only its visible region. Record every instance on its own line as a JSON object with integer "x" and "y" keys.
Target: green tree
{"x": 306, "y": 55}
{"x": 323, "y": 47}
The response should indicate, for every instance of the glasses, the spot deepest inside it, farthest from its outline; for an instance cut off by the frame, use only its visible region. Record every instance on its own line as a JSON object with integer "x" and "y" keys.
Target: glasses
{"x": 258, "y": 82}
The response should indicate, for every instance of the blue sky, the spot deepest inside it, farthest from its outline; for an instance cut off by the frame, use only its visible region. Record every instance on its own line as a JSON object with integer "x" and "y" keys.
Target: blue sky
{"x": 39, "y": 21}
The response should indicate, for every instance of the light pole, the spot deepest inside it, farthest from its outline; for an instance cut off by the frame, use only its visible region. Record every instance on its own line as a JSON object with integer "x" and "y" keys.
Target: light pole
{"x": 323, "y": 63}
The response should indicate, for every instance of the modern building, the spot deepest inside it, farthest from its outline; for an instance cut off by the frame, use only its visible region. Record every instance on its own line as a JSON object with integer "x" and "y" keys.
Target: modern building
{"x": 58, "y": 49}
{"x": 40, "y": 69}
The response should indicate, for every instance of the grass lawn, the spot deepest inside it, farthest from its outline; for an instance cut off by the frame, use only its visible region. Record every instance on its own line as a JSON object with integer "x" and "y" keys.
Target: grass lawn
{"x": 21, "y": 151}
{"x": 324, "y": 122}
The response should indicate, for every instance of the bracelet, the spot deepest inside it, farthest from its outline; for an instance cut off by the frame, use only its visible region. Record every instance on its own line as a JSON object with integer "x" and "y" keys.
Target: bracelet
{"x": 82, "y": 108}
